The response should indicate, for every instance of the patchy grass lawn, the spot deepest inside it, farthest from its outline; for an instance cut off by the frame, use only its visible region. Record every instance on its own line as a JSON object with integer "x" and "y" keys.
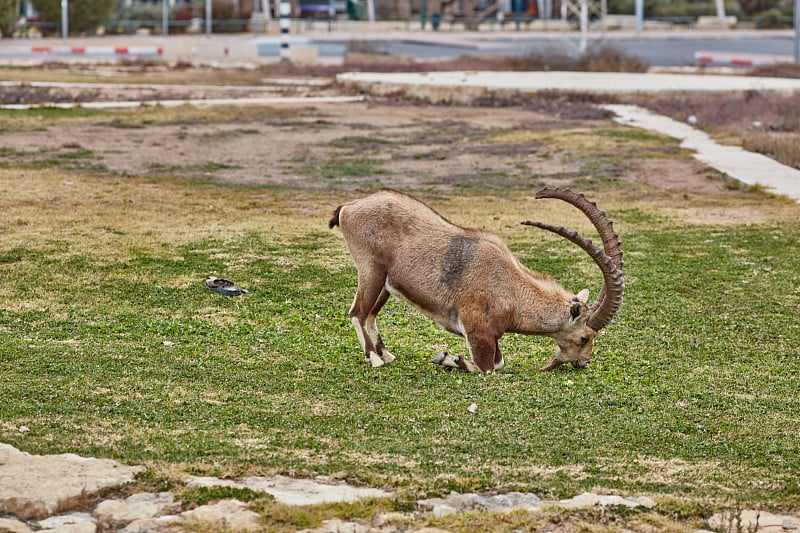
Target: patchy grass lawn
{"x": 110, "y": 345}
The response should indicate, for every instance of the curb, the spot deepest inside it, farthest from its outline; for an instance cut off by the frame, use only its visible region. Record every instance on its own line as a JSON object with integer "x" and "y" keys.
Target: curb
{"x": 97, "y": 50}
{"x": 736, "y": 59}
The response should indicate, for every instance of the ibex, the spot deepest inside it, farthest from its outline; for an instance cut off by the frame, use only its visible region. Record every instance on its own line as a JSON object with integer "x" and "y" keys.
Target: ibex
{"x": 469, "y": 282}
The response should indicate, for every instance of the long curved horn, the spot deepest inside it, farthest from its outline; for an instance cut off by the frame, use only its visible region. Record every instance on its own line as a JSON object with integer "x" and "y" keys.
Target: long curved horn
{"x": 609, "y": 258}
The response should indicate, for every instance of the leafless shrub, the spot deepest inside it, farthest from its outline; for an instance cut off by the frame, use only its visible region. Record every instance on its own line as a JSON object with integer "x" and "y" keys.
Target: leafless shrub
{"x": 785, "y": 147}
{"x": 765, "y": 122}
{"x": 781, "y": 70}
{"x": 735, "y": 112}
{"x": 603, "y": 59}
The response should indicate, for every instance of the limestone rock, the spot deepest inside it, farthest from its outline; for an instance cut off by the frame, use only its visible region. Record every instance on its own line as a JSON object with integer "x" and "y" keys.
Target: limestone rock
{"x": 160, "y": 524}
{"x": 587, "y": 499}
{"x": 8, "y": 525}
{"x": 226, "y": 515}
{"x": 464, "y": 502}
{"x": 752, "y": 520}
{"x": 72, "y": 519}
{"x": 292, "y": 491}
{"x": 339, "y": 526}
{"x": 34, "y": 486}
{"x": 72, "y": 528}
{"x": 518, "y": 500}
{"x": 137, "y": 507}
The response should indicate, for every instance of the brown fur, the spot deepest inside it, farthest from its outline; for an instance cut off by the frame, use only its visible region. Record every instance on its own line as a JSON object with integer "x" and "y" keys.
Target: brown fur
{"x": 464, "y": 279}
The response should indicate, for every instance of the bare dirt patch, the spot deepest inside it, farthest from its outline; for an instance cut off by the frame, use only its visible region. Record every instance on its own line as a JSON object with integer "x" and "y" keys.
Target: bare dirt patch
{"x": 355, "y": 145}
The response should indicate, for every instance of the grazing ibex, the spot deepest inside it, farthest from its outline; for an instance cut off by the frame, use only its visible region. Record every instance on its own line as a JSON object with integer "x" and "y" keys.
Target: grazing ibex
{"x": 469, "y": 282}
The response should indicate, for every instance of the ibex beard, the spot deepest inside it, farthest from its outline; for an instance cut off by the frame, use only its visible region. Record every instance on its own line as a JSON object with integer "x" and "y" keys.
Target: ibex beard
{"x": 468, "y": 281}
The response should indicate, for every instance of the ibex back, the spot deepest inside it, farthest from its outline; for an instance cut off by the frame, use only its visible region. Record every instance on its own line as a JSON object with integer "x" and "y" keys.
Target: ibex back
{"x": 468, "y": 281}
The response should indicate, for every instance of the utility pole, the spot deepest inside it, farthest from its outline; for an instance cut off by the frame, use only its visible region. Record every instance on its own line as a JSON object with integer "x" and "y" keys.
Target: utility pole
{"x": 64, "y": 19}
{"x": 208, "y": 19}
{"x": 797, "y": 31}
{"x": 285, "y": 11}
{"x": 164, "y": 18}
{"x": 639, "y": 7}
{"x": 721, "y": 12}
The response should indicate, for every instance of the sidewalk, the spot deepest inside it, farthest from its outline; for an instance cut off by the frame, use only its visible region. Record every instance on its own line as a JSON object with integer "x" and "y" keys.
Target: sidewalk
{"x": 418, "y": 84}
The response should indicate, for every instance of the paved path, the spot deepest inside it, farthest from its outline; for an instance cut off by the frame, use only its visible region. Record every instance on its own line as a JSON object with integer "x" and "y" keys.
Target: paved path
{"x": 606, "y": 82}
{"x": 748, "y": 167}
{"x": 205, "y": 102}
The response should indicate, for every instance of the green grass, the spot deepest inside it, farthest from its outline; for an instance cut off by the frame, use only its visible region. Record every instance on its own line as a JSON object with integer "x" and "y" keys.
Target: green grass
{"x": 117, "y": 350}
{"x": 110, "y": 346}
{"x": 341, "y": 168}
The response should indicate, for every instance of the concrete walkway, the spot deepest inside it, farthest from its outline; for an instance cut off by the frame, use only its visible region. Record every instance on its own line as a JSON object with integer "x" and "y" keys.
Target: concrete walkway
{"x": 205, "y": 102}
{"x": 748, "y": 167}
{"x": 605, "y": 82}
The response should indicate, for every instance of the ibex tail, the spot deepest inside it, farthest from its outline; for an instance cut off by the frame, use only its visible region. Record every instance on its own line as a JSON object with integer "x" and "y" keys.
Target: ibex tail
{"x": 334, "y": 221}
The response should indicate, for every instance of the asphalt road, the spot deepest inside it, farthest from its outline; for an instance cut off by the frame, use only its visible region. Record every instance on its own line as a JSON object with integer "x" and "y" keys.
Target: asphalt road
{"x": 656, "y": 48}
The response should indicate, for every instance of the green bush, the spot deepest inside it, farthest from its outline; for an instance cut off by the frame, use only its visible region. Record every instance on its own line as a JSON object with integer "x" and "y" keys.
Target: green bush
{"x": 8, "y": 17}
{"x": 84, "y": 15}
{"x": 140, "y": 11}
{"x": 753, "y": 7}
{"x": 227, "y": 17}
{"x": 774, "y": 19}
{"x": 673, "y": 8}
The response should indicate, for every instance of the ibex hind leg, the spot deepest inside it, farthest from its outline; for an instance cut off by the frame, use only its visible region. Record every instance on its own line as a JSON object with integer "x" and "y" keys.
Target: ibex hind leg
{"x": 369, "y": 297}
{"x": 372, "y": 327}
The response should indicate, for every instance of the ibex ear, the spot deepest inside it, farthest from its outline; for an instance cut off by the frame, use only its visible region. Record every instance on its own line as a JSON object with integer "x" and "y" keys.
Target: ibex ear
{"x": 583, "y": 296}
{"x": 575, "y": 307}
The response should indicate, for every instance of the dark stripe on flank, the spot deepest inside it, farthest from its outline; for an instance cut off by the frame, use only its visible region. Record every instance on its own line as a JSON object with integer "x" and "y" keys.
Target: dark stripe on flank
{"x": 457, "y": 259}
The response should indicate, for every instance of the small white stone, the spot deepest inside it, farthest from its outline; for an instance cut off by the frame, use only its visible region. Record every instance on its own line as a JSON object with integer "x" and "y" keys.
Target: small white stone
{"x": 23, "y": 429}
{"x": 473, "y": 408}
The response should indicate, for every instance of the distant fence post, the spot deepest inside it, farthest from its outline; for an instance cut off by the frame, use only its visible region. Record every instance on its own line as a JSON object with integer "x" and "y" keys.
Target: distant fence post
{"x": 285, "y": 11}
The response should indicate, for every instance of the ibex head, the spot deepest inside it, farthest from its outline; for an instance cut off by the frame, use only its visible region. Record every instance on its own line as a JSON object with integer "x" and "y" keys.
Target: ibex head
{"x": 575, "y": 342}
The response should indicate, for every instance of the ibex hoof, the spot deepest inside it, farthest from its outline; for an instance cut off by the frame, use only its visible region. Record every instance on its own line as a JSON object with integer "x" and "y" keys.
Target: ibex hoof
{"x": 375, "y": 360}
{"x": 451, "y": 361}
{"x": 439, "y": 357}
{"x": 387, "y": 357}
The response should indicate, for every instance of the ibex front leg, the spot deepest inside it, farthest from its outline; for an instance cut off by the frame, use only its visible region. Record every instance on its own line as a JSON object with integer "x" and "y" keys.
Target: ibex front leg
{"x": 370, "y": 298}
{"x": 485, "y": 353}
